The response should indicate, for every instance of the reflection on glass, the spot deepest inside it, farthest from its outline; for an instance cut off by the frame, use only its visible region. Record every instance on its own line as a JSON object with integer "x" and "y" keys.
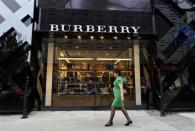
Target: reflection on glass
{"x": 138, "y": 5}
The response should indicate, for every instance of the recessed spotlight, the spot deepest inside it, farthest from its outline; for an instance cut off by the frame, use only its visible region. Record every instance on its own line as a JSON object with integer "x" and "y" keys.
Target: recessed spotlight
{"x": 101, "y": 37}
{"x": 91, "y": 37}
{"x": 129, "y": 38}
{"x": 115, "y": 37}
{"x": 79, "y": 37}
{"x": 65, "y": 36}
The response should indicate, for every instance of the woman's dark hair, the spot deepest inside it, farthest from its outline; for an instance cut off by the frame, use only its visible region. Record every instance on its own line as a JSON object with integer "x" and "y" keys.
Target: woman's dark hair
{"x": 117, "y": 71}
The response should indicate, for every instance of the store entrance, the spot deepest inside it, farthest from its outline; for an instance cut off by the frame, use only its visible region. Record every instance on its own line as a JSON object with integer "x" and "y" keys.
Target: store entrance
{"x": 83, "y": 71}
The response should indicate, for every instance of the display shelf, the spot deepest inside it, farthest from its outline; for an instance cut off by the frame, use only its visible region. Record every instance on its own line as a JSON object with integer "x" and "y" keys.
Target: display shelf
{"x": 90, "y": 70}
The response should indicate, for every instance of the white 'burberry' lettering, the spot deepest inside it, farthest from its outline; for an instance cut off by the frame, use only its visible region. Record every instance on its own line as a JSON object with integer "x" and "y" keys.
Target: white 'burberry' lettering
{"x": 93, "y": 28}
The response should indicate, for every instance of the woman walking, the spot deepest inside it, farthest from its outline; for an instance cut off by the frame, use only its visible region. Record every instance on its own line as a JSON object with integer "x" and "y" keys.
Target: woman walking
{"x": 118, "y": 102}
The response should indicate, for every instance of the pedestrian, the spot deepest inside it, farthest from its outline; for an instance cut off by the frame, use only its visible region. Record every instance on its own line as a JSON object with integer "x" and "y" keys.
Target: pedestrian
{"x": 118, "y": 102}
{"x": 147, "y": 96}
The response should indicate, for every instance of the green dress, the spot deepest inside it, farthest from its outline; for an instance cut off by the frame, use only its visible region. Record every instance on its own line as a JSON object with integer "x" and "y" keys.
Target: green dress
{"x": 117, "y": 102}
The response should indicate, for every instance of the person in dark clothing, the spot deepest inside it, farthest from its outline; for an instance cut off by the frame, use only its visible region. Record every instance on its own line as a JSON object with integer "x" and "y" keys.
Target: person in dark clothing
{"x": 147, "y": 96}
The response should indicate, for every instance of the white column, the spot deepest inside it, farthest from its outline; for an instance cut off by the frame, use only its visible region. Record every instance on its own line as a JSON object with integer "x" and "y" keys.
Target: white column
{"x": 49, "y": 77}
{"x": 130, "y": 51}
{"x": 136, "y": 54}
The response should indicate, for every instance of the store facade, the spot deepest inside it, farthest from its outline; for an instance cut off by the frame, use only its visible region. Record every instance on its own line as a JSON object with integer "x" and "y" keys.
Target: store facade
{"x": 80, "y": 48}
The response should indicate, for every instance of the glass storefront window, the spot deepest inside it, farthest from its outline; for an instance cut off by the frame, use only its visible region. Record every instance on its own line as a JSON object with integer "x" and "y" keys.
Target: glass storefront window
{"x": 84, "y": 77}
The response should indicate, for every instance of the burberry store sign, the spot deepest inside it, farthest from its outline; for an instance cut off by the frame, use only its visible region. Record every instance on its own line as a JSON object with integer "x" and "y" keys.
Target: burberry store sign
{"x": 93, "y": 28}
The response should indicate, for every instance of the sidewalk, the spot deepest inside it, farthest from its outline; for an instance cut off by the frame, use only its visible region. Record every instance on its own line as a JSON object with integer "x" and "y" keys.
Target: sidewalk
{"x": 95, "y": 120}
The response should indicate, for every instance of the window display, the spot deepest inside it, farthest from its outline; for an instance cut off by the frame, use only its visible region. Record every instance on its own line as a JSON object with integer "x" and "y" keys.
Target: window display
{"x": 81, "y": 74}
{"x": 84, "y": 76}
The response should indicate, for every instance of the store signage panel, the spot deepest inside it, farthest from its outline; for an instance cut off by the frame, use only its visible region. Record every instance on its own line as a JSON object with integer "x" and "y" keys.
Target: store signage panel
{"x": 60, "y": 20}
{"x": 93, "y": 28}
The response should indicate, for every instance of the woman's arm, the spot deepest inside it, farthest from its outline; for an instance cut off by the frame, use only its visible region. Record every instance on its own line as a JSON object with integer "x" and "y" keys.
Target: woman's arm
{"x": 121, "y": 91}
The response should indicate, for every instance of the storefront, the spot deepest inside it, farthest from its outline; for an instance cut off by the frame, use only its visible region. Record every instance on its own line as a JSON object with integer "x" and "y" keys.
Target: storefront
{"x": 80, "y": 48}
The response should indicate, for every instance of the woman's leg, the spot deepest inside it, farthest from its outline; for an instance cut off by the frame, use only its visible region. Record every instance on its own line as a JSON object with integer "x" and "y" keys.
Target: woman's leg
{"x": 129, "y": 121}
{"x": 112, "y": 114}
{"x": 110, "y": 122}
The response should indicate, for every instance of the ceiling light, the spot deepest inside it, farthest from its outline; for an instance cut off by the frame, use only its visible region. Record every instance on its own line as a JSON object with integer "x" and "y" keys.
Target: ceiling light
{"x": 65, "y": 36}
{"x": 115, "y": 59}
{"x": 79, "y": 37}
{"x": 115, "y": 37}
{"x": 129, "y": 38}
{"x": 101, "y": 37}
{"x": 76, "y": 59}
{"x": 91, "y": 37}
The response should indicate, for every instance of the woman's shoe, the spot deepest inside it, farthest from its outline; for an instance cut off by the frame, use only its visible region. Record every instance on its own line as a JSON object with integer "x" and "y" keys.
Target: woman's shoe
{"x": 109, "y": 124}
{"x": 128, "y": 123}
